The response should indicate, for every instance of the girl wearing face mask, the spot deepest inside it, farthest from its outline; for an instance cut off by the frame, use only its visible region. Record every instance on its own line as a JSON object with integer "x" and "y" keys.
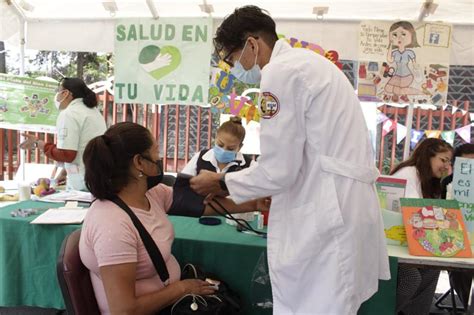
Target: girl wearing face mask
{"x": 429, "y": 163}
{"x": 78, "y": 121}
{"x": 224, "y": 156}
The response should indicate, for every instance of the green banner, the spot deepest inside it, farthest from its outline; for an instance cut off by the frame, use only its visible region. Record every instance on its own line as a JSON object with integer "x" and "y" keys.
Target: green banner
{"x": 164, "y": 61}
{"x": 27, "y": 104}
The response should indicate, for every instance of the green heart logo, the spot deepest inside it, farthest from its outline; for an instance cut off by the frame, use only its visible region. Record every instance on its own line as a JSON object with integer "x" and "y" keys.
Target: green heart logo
{"x": 158, "y": 62}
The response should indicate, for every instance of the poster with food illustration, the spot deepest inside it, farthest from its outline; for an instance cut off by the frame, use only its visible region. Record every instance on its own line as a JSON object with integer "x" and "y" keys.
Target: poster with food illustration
{"x": 435, "y": 228}
{"x": 404, "y": 62}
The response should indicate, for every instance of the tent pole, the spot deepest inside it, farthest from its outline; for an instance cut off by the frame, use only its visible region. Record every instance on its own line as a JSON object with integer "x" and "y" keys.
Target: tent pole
{"x": 408, "y": 124}
{"x": 22, "y": 18}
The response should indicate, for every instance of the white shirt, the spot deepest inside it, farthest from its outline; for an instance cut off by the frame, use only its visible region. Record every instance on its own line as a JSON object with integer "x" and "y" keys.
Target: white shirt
{"x": 76, "y": 126}
{"x": 410, "y": 173}
{"x": 209, "y": 156}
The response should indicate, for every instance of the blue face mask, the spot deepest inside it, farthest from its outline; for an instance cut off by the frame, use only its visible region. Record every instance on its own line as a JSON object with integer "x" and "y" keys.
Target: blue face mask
{"x": 251, "y": 76}
{"x": 224, "y": 156}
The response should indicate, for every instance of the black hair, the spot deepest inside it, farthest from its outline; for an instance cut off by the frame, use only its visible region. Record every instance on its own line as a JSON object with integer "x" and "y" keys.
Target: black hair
{"x": 107, "y": 158}
{"x": 80, "y": 90}
{"x": 466, "y": 148}
{"x": 244, "y": 21}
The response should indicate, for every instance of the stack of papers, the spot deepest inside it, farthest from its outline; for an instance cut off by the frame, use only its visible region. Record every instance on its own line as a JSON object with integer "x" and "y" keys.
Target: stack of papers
{"x": 71, "y": 213}
{"x": 61, "y": 216}
{"x": 68, "y": 195}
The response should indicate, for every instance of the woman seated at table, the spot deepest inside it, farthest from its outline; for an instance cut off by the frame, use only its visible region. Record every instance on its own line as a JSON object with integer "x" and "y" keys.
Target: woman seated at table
{"x": 224, "y": 157}
{"x": 124, "y": 162}
{"x": 428, "y": 164}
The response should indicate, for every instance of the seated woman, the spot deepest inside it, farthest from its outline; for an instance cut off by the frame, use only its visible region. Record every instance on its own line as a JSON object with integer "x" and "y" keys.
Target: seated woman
{"x": 428, "y": 164}
{"x": 124, "y": 162}
{"x": 225, "y": 156}
{"x": 222, "y": 158}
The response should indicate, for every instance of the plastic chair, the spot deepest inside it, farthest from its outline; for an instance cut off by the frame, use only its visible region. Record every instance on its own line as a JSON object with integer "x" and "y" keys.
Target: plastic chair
{"x": 74, "y": 279}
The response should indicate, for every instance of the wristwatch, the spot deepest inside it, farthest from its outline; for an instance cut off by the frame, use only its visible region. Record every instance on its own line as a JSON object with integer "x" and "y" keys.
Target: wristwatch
{"x": 222, "y": 183}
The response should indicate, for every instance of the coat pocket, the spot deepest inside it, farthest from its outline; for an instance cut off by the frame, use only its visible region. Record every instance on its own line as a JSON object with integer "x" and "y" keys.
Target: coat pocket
{"x": 312, "y": 227}
{"x": 299, "y": 239}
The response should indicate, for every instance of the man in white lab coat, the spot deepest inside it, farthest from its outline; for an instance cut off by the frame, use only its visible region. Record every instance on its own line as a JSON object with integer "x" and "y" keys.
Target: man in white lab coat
{"x": 326, "y": 248}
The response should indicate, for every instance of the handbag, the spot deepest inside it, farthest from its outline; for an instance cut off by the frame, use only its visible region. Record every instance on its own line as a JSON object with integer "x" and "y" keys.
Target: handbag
{"x": 223, "y": 302}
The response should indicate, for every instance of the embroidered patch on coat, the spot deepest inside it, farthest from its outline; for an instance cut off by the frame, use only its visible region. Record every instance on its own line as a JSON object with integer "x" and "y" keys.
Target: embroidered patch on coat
{"x": 269, "y": 105}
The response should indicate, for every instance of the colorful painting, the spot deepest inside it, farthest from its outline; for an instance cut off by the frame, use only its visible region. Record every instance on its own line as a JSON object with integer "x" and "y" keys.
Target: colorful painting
{"x": 435, "y": 228}
{"x": 404, "y": 62}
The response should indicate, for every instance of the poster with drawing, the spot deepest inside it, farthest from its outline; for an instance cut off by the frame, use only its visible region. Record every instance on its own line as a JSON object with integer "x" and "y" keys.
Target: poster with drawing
{"x": 404, "y": 62}
{"x": 27, "y": 104}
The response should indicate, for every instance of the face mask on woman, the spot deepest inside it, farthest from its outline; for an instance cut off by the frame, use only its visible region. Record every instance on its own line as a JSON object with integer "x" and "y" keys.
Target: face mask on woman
{"x": 153, "y": 180}
{"x": 57, "y": 103}
{"x": 224, "y": 156}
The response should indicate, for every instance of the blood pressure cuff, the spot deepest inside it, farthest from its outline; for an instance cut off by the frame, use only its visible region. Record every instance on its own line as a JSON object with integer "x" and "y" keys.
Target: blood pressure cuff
{"x": 186, "y": 202}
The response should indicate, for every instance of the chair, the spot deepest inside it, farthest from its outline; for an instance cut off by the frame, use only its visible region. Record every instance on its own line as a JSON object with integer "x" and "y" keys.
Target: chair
{"x": 74, "y": 279}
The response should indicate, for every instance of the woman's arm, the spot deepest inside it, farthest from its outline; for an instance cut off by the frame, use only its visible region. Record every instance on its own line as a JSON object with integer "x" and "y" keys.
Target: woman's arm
{"x": 262, "y": 204}
{"x": 60, "y": 155}
{"x": 119, "y": 284}
{"x": 50, "y": 150}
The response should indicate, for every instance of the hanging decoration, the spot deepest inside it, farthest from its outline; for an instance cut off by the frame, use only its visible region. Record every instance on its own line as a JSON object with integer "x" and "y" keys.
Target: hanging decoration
{"x": 388, "y": 126}
{"x": 433, "y": 133}
{"x": 465, "y": 133}
{"x": 448, "y": 136}
{"x": 416, "y": 136}
{"x": 401, "y": 132}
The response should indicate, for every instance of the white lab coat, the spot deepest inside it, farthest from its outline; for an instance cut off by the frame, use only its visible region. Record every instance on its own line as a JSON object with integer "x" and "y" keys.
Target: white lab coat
{"x": 326, "y": 247}
{"x": 76, "y": 126}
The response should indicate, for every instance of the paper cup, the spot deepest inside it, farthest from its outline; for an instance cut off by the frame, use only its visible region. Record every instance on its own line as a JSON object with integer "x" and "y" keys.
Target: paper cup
{"x": 24, "y": 192}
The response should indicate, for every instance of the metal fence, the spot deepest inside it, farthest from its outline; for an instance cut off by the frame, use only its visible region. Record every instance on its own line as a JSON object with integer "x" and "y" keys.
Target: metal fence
{"x": 183, "y": 130}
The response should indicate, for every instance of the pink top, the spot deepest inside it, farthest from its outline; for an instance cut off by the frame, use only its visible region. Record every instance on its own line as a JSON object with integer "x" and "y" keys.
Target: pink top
{"x": 109, "y": 237}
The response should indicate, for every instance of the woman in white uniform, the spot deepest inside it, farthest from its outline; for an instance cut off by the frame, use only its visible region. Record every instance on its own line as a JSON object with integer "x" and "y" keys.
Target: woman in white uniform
{"x": 78, "y": 122}
{"x": 326, "y": 247}
{"x": 428, "y": 164}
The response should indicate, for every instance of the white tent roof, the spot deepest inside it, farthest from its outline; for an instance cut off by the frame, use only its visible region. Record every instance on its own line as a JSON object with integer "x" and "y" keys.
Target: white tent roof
{"x": 453, "y": 11}
{"x": 88, "y": 25}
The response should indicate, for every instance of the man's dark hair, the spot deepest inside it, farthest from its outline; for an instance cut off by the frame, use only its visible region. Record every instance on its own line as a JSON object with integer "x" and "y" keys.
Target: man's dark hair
{"x": 466, "y": 148}
{"x": 246, "y": 21}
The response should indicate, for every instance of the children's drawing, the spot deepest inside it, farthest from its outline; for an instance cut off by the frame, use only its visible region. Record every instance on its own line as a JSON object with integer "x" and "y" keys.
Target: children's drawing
{"x": 402, "y": 37}
{"x": 398, "y": 64}
{"x": 34, "y": 105}
{"x": 435, "y": 231}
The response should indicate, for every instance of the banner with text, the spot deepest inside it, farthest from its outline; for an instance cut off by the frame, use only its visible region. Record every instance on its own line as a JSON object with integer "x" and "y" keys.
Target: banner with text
{"x": 164, "y": 61}
{"x": 463, "y": 190}
{"x": 404, "y": 62}
{"x": 27, "y": 104}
